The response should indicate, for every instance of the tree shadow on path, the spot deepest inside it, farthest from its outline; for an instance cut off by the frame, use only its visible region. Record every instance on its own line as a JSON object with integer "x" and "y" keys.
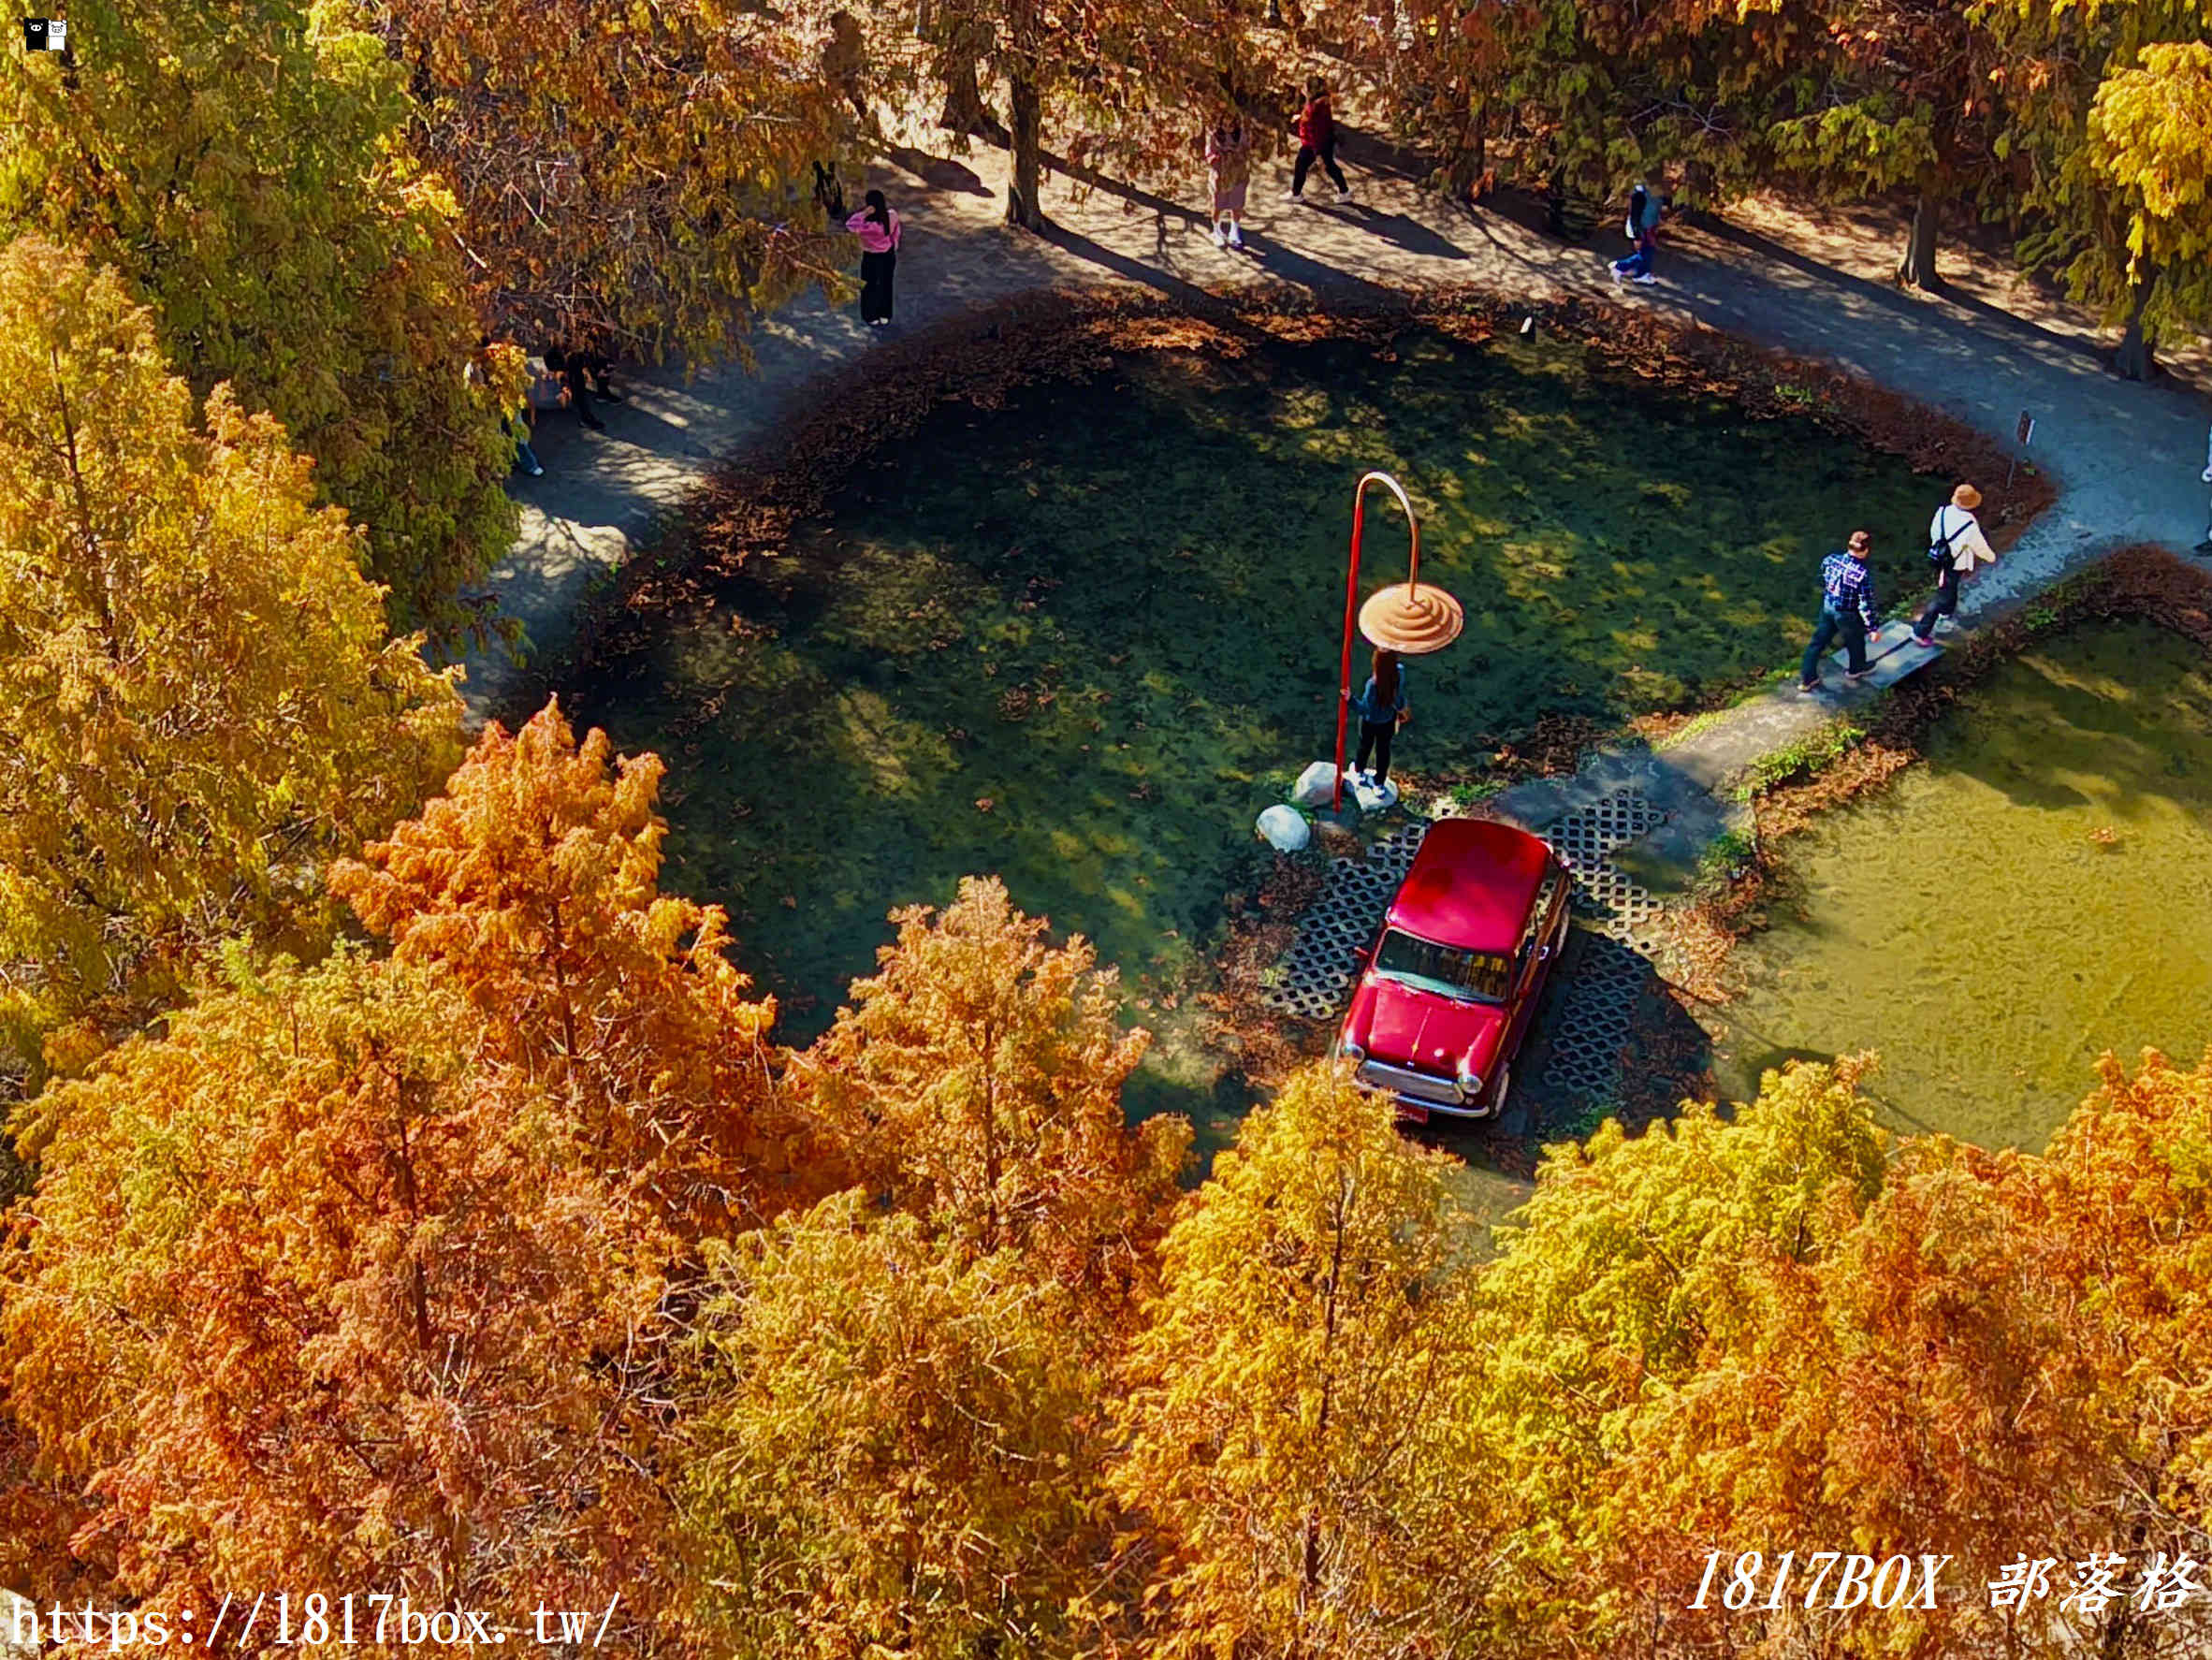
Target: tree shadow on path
{"x": 1282, "y": 264}
{"x": 1888, "y": 296}
{"x": 1398, "y": 229}
{"x": 937, "y": 172}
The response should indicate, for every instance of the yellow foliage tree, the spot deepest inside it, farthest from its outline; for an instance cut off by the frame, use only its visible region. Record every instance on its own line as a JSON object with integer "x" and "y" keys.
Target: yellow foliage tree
{"x": 534, "y": 879}
{"x": 977, "y": 1078}
{"x": 202, "y": 704}
{"x": 1293, "y": 1431}
{"x": 893, "y": 1448}
{"x": 242, "y": 164}
{"x": 2149, "y": 149}
{"x": 1767, "y": 1335}
{"x": 1636, "y": 1262}
{"x": 2125, "y": 1190}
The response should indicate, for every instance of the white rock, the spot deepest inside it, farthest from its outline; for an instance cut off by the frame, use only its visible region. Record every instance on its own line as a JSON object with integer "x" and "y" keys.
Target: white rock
{"x": 1315, "y": 785}
{"x": 1284, "y": 829}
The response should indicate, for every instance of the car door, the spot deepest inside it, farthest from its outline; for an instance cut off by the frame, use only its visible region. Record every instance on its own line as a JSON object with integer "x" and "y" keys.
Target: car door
{"x": 1540, "y": 942}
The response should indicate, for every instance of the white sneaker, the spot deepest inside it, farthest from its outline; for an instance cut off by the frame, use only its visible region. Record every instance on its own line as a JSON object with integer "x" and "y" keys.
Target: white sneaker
{"x": 1236, "y": 236}
{"x": 1220, "y": 238}
{"x": 1614, "y": 267}
{"x": 1647, "y": 279}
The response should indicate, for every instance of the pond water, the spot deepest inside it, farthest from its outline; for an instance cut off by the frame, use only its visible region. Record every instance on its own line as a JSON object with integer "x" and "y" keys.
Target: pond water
{"x": 2039, "y": 892}
{"x": 1081, "y": 641}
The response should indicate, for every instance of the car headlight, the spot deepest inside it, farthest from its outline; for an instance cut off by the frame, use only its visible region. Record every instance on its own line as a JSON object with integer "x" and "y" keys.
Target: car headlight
{"x": 1470, "y": 1083}
{"x": 1352, "y": 1051}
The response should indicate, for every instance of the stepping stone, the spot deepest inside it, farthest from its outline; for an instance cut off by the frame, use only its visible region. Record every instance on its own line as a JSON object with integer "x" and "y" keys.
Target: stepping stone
{"x": 1370, "y": 799}
{"x": 1891, "y": 655}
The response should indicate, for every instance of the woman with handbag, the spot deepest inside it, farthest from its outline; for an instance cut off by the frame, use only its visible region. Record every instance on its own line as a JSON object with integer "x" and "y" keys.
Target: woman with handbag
{"x": 1954, "y": 547}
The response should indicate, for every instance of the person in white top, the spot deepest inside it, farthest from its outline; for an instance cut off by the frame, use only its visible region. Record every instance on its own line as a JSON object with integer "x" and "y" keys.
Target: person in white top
{"x": 1954, "y": 547}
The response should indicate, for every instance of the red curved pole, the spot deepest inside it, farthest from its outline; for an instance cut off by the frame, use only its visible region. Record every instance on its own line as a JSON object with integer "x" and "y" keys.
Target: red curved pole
{"x": 1351, "y": 609}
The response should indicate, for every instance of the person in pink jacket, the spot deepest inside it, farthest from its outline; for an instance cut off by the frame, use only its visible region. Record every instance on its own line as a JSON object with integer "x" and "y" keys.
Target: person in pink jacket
{"x": 1229, "y": 172}
{"x": 877, "y": 226}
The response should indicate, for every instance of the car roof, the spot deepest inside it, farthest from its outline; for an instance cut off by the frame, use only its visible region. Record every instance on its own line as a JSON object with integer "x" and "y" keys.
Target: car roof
{"x": 1472, "y": 884}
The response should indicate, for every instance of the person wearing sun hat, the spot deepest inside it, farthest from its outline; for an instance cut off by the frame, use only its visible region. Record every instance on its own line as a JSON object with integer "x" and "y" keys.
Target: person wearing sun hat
{"x": 1954, "y": 547}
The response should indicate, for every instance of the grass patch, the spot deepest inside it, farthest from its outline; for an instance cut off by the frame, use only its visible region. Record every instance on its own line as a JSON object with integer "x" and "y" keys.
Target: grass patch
{"x": 1729, "y": 853}
{"x": 1081, "y": 637}
{"x": 1807, "y": 758}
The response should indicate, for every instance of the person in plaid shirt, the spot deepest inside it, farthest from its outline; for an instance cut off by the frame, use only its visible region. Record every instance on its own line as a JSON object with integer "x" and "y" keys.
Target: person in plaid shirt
{"x": 1846, "y": 608}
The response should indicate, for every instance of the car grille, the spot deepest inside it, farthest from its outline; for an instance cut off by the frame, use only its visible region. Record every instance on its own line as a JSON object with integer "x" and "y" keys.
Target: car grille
{"x": 1414, "y": 1086}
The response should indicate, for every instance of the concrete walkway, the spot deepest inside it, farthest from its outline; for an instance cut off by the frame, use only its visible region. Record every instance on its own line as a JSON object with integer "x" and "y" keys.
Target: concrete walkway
{"x": 2128, "y": 454}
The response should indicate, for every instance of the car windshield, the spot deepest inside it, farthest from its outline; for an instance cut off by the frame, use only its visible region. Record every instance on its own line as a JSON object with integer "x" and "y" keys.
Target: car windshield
{"x": 1479, "y": 976}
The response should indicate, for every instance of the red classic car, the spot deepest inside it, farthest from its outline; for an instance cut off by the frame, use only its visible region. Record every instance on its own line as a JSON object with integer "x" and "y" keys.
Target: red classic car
{"x": 1448, "y": 986}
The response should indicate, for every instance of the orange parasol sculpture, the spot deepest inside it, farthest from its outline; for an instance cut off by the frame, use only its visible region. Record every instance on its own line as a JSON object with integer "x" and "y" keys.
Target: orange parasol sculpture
{"x": 1405, "y": 618}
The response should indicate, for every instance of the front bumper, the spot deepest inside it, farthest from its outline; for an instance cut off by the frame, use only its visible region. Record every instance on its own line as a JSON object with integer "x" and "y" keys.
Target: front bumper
{"x": 1418, "y": 1096}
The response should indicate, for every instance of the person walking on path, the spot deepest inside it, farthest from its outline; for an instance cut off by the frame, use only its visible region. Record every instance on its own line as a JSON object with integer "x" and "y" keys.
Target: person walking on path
{"x": 1954, "y": 547}
{"x": 877, "y": 226}
{"x": 1846, "y": 608}
{"x": 1646, "y": 208}
{"x": 585, "y": 374}
{"x": 514, "y": 423}
{"x": 1381, "y": 708}
{"x": 525, "y": 457}
{"x": 1229, "y": 172}
{"x": 1317, "y": 141}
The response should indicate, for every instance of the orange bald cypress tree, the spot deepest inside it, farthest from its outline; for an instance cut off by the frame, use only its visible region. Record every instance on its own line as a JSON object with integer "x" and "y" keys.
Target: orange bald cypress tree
{"x": 313, "y": 1300}
{"x": 977, "y": 1079}
{"x": 534, "y": 880}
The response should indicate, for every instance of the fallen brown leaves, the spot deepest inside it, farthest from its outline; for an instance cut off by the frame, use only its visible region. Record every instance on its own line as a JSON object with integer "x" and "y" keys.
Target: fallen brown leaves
{"x": 1266, "y": 1046}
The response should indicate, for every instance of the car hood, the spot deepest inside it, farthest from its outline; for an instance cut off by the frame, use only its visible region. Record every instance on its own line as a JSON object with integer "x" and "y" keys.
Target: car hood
{"x": 1406, "y": 1026}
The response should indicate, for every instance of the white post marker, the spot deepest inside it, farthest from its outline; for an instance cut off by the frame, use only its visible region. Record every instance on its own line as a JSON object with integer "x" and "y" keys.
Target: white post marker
{"x": 2025, "y": 432}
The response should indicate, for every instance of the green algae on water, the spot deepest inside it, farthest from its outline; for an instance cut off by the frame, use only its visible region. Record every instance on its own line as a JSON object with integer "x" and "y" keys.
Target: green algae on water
{"x": 2039, "y": 892}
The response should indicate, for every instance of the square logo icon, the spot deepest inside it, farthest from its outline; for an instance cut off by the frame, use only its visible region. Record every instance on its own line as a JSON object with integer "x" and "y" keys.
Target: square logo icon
{"x": 33, "y": 34}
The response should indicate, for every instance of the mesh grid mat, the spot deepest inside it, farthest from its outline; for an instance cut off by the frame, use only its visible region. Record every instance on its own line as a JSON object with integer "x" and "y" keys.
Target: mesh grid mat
{"x": 1590, "y": 1020}
{"x": 1316, "y": 972}
{"x": 1590, "y": 1024}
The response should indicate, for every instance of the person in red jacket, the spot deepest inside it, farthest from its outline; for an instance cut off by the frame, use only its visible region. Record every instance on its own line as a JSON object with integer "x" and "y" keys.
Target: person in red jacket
{"x": 1317, "y": 140}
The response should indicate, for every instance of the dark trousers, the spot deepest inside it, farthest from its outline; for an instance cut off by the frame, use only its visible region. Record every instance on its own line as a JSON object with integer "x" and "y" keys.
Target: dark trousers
{"x": 1833, "y": 622}
{"x": 1307, "y": 154}
{"x": 578, "y": 399}
{"x": 575, "y": 369}
{"x": 874, "y": 285}
{"x": 1639, "y": 263}
{"x": 1375, "y": 735}
{"x": 1946, "y": 603}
